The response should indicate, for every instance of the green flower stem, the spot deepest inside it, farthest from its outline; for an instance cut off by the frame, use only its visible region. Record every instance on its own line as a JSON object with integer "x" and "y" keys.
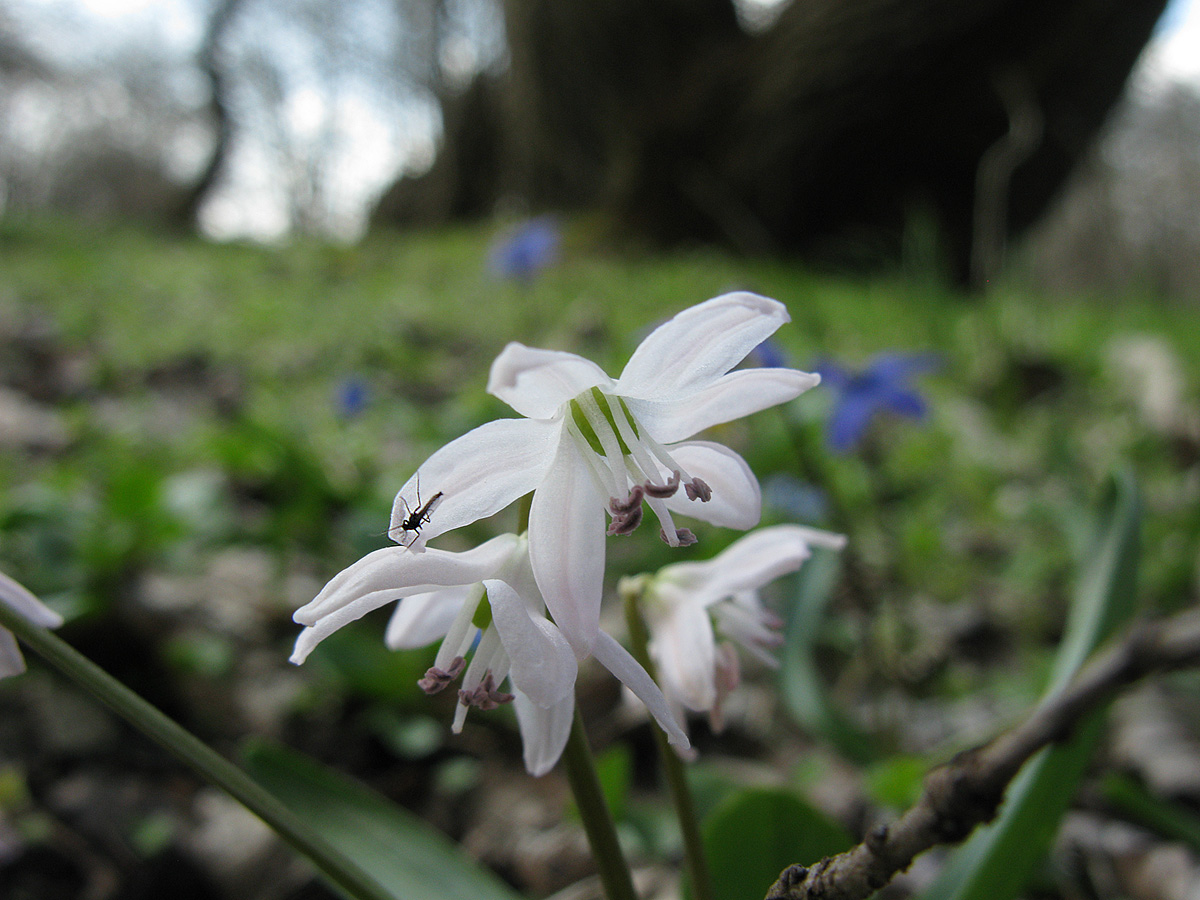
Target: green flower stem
{"x": 810, "y": 468}
{"x": 597, "y": 820}
{"x": 338, "y": 869}
{"x": 681, "y": 794}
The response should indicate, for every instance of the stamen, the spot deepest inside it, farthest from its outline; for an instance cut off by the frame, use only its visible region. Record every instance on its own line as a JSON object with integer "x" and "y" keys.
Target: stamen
{"x": 608, "y": 439}
{"x": 462, "y": 631}
{"x": 601, "y": 473}
{"x": 697, "y": 488}
{"x": 436, "y": 679}
{"x": 639, "y": 441}
{"x": 633, "y": 501}
{"x": 684, "y": 537}
{"x": 663, "y": 491}
{"x": 485, "y": 696}
{"x": 625, "y": 522}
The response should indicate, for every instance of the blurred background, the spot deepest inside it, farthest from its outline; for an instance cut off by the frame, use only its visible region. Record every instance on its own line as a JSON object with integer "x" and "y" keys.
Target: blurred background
{"x": 256, "y": 257}
{"x": 765, "y": 126}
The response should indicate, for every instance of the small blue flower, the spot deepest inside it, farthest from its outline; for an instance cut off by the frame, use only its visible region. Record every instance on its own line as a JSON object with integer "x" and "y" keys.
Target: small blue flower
{"x": 524, "y": 252}
{"x": 882, "y": 387}
{"x": 769, "y": 355}
{"x": 352, "y": 397}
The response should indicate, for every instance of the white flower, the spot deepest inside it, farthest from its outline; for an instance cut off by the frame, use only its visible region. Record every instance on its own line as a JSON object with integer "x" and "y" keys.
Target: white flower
{"x": 511, "y": 636}
{"x": 591, "y": 446}
{"x": 697, "y": 611}
{"x": 20, "y": 600}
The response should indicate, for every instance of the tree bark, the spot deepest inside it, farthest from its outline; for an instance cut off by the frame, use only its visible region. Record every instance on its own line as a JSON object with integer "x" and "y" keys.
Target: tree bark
{"x": 824, "y": 133}
{"x": 218, "y": 109}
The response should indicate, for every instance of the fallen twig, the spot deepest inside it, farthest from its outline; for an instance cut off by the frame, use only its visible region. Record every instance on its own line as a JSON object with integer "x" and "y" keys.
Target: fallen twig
{"x": 967, "y": 791}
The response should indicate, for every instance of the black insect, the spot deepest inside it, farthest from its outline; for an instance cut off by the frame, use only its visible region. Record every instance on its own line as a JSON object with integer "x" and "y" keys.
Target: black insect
{"x": 416, "y": 519}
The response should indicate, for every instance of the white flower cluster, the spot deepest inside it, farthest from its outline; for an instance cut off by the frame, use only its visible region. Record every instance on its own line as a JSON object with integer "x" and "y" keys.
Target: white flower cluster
{"x": 526, "y": 609}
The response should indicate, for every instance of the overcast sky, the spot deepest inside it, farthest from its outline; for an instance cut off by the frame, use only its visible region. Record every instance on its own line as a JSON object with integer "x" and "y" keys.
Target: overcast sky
{"x": 1175, "y": 51}
{"x": 381, "y": 144}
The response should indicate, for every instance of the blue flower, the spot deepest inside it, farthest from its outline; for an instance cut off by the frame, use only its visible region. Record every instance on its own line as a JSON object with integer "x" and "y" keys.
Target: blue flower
{"x": 769, "y": 355}
{"x": 882, "y": 387}
{"x": 524, "y": 252}
{"x": 352, "y": 397}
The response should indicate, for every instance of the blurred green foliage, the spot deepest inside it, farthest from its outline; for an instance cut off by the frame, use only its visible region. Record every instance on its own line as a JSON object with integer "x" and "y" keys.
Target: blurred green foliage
{"x": 200, "y": 387}
{"x": 201, "y": 380}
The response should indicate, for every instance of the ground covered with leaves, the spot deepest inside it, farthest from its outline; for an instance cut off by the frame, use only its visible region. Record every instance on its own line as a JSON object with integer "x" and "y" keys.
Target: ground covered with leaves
{"x": 193, "y": 438}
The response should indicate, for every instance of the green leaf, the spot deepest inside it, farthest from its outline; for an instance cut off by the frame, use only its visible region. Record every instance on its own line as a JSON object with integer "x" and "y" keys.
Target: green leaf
{"x": 800, "y": 684}
{"x": 757, "y": 833}
{"x": 1171, "y": 820}
{"x": 998, "y": 860}
{"x": 404, "y": 854}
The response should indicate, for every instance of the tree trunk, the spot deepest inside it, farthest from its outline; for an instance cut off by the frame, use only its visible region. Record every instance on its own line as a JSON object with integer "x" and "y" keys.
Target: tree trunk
{"x": 218, "y": 109}
{"x": 824, "y": 133}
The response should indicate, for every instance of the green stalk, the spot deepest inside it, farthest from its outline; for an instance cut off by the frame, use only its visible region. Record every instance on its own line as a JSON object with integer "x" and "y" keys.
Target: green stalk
{"x": 340, "y": 871}
{"x": 694, "y": 858}
{"x": 593, "y": 810}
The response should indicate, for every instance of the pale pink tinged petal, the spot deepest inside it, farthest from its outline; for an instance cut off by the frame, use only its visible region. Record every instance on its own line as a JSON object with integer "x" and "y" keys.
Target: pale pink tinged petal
{"x": 326, "y": 625}
{"x": 699, "y": 345}
{"x": 629, "y": 672}
{"x": 760, "y": 557}
{"x": 730, "y": 397}
{"x": 566, "y": 547}
{"x": 401, "y": 572}
{"x": 544, "y": 732}
{"x": 476, "y": 475}
{"x": 536, "y": 383}
{"x": 421, "y": 619}
{"x": 11, "y": 662}
{"x": 736, "y": 497}
{"x": 18, "y": 598}
{"x": 685, "y": 651}
{"x": 543, "y": 665}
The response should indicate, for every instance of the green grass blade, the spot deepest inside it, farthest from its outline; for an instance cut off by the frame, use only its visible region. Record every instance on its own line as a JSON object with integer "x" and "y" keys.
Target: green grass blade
{"x": 998, "y": 860}
{"x": 800, "y": 684}
{"x": 1173, "y": 821}
{"x": 755, "y": 834}
{"x": 405, "y": 855}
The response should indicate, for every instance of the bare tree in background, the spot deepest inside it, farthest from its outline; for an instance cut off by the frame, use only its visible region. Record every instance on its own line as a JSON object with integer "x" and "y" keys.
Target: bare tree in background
{"x": 218, "y": 108}
{"x": 117, "y": 126}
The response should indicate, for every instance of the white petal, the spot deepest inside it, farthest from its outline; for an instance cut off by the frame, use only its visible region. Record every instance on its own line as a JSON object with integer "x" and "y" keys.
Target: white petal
{"x": 421, "y": 619}
{"x": 400, "y": 572}
{"x": 542, "y": 663}
{"x": 18, "y": 598}
{"x": 566, "y": 547}
{"x": 749, "y": 562}
{"x": 685, "y": 652}
{"x": 629, "y": 671}
{"x": 736, "y": 497}
{"x": 11, "y": 662}
{"x": 536, "y": 383}
{"x": 699, "y": 345}
{"x": 730, "y": 397}
{"x": 544, "y": 732}
{"x": 477, "y": 475}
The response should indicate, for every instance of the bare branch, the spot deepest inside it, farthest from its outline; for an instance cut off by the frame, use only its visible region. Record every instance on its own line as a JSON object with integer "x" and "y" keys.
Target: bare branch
{"x": 967, "y": 791}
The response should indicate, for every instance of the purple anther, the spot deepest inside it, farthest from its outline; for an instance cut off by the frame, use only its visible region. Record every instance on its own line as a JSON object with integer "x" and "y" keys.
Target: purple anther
{"x": 436, "y": 679}
{"x": 698, "y": 489}
{"x": 685, "y": 536}
{"x": 626, "y": 522}
{"x": 633, "y": 501}
{"x": 485, "y": 696}
{"x": 663, "y": 491}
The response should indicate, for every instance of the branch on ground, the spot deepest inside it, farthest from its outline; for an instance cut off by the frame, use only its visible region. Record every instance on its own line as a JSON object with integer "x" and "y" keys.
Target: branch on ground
{"x": 967, "y": 791}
